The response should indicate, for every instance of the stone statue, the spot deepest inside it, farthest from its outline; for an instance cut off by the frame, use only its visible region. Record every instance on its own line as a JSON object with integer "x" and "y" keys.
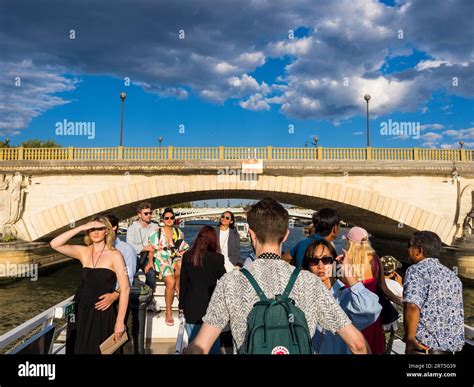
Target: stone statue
{"x": 12, "y": 197}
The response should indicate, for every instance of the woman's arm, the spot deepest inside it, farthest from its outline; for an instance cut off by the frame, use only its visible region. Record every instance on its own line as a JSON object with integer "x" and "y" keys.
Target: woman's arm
{"x": 361, "y": 305}
{"x": 122, "y": 279}
{"x": 73, "y": 251}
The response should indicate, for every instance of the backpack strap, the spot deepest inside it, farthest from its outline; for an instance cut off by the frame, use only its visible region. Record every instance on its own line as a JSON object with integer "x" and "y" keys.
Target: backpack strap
{"x": 254, "y": 284}
{"x": 291, "y": 283}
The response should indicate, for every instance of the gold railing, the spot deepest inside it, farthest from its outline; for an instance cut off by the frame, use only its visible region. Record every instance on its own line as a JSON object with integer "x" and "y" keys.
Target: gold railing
{"x": 235, "y": 153}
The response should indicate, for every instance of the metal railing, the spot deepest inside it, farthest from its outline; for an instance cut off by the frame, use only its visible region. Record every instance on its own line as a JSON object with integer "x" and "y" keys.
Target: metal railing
{"x": 43, "y": 319}
{"x": 234, "y": 153}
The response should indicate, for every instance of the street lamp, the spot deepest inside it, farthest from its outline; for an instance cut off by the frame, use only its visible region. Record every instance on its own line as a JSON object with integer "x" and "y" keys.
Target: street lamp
{"x": 462, "y": 144}
{"x": 315, "y": 142}
{"x": 122, "y": 97}
{"x": 367, "y": 98}
{"x": 160, "y": 140}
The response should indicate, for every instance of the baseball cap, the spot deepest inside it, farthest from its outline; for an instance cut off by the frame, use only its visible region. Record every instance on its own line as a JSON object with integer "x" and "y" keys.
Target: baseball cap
{"x": 357, "y": 234}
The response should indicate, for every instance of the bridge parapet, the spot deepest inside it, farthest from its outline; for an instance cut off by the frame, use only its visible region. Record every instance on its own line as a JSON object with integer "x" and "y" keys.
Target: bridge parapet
{"x": 235, "y": 153}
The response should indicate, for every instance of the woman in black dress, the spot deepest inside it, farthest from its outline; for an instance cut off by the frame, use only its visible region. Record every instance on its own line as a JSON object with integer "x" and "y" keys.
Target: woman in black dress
{"x": 102, "y": 267}
{"x": 202, "y": 266}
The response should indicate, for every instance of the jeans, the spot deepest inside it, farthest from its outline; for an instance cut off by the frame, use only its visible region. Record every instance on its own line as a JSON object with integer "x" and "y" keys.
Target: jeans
{"x": 192, "y": 331}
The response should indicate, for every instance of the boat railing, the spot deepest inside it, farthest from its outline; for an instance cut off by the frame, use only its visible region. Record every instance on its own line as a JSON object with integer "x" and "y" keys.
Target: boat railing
{"x": 181, "y": 342}
{"x": 42, "y": 320}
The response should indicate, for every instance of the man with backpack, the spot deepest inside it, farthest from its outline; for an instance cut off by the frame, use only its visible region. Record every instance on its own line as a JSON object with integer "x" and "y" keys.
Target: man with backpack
{"x": 271, "y": 306}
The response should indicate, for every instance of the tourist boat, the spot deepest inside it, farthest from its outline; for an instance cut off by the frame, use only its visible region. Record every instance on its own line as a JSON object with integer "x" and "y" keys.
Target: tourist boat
{"x": 243, "y": 230}
{"x": 46, "y": 332}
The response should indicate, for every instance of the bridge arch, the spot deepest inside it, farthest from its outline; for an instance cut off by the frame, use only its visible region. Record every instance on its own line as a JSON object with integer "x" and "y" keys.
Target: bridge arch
{"x": 383, "y": 216}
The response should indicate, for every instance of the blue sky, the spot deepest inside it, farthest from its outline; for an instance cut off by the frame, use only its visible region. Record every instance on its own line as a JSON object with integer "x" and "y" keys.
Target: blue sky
{"x": 239, "y": 76}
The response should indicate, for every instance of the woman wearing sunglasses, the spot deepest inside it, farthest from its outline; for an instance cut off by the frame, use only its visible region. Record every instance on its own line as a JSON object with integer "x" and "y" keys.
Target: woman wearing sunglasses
{"x": 229, "y": 241}
{"x": 360, "y": 304}
{"x": 102, "y": 267}
{"x": 169, "y": 246}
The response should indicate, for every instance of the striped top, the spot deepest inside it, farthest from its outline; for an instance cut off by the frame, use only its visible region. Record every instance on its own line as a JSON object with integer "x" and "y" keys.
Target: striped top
{"x": 234, "y": 298}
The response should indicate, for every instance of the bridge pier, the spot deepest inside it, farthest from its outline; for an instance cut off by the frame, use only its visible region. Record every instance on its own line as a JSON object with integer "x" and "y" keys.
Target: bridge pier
{"x": 28, "y": 260}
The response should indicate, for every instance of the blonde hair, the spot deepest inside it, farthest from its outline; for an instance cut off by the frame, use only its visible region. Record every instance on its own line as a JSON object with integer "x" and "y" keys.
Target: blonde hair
{"x": 359, "y": 253}
{"x": 109, "y": 232}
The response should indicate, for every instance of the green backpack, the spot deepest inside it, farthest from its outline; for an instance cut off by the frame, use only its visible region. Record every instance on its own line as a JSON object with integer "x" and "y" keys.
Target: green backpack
{"x": 276, "y": 326}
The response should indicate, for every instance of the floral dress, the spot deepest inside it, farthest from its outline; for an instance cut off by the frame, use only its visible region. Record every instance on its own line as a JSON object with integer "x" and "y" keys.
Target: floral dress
{"x": 167, "y": 253}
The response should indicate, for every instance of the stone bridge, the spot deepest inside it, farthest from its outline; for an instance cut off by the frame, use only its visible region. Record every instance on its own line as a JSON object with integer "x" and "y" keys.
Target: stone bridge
{"x": 41, "y": 197}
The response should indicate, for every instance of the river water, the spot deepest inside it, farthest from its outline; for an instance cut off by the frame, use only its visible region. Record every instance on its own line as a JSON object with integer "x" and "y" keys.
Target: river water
{"x": 24, "y": 299}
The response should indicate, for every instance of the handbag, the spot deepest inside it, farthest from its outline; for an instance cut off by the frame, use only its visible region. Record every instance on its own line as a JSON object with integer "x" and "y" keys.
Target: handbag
{"x": 389, "y": 313}
{"x": 109, "y": 346}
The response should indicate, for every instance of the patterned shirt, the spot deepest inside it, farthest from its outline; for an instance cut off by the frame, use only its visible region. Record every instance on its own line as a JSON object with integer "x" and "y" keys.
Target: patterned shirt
{"x": 234, "y": 298}
{"x": 166, "y": 250}
{"x": 437, "y": 292}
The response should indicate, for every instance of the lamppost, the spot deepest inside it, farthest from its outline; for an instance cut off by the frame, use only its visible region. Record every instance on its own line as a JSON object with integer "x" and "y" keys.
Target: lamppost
{"x": 122, "y": 97}
{"x": 160, "y": 140}
{"x": 367, "y": 98}
{"x": 315, "y": 142}
{"x": 462, "y": 144}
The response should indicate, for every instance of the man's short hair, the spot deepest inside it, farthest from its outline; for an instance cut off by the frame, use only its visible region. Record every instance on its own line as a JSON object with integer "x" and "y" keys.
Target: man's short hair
{"x": 428, "y": 241}
{"x": 324, "y": 221}
{"x": 269, "y": 220}
{"x": 143, "y": 206}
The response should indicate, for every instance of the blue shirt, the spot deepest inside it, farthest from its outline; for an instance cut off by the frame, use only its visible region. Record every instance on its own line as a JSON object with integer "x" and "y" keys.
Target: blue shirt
{"x": 129, "y": 256}
{"x": 437, "y": 292}
{"x": 361, "y": 306}
{"x": 298, "y": 251}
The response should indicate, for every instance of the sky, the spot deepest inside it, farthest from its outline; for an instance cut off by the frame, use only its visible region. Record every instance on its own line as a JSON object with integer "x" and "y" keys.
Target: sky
{"x": 238, "y": 73}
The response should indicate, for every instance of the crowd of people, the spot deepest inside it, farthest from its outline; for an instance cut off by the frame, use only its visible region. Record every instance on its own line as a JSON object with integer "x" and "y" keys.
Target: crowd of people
{"x": 348, "y": 300}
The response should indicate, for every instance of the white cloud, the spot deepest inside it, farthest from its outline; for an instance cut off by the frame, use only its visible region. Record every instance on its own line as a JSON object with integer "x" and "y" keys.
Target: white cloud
{"x": 430, "y": 139}
{"x": 461, "y": 134}
{"x": 297, "y": 47}
{"x": 347, "y": 40}
{"x": 431, "y": 64}
{"x": 28, "y": 91}
{"x": 431, "y": 127}
{"x": 255, "y": 102}
{"x": 456, "y": 145}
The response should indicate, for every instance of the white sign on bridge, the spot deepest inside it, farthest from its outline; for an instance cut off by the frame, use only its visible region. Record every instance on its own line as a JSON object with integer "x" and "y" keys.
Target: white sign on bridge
{"x": 252, "y": 166}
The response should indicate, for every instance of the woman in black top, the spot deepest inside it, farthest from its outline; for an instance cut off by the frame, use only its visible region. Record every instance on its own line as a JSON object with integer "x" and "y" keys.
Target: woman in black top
{"x": 202, "y": 266}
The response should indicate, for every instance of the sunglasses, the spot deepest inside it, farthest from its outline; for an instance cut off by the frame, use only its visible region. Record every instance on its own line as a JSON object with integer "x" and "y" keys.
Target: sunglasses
{"x": 225, "y": 217}
{"x": 96, "y": 229}
{"x": 327, "y": 260}
{"x": 147, "y": 213}
{"x": 168, "y": 217}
